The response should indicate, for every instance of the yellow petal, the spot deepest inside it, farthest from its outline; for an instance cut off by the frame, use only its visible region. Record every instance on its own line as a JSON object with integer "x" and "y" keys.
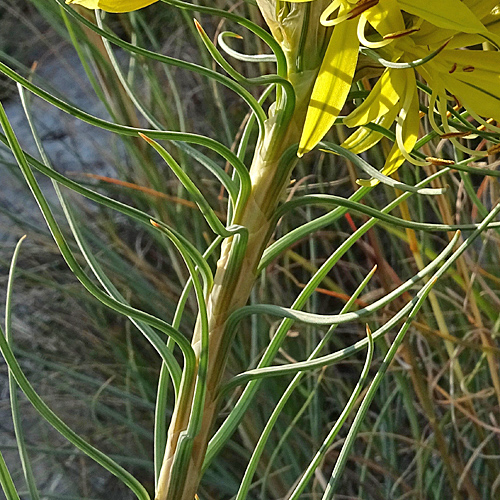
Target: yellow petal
{"x": 332, "y": 84}
{"x": 475, "y": 79}
{"x": 385, "y": 17}
{"x": 462, "y": 40}
{"x": 410, "y": 127}
{"x": 428, "y": 35}
{"x": 476, "y": 95}
{"x": 447, "y": 14}
{"x": 491, "y": 22}
{"x": 481, "y": 8}
{"x": 383, "y": 97}
{"x": 113, "y": 5}
{"x": 89, "y": 4}
{"x": 364, "y": 138}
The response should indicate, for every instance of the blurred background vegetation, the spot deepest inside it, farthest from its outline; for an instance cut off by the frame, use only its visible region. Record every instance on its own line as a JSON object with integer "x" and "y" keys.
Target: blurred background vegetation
{"x": 434, "y": 425}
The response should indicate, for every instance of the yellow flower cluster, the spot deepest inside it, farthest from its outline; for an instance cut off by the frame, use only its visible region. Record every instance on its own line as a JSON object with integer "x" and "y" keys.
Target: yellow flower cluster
{"x": 409, "y": 37}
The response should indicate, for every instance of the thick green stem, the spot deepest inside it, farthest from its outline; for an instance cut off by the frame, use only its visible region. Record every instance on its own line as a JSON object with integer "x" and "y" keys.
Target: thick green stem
{"x": 270, "y": 171}
{"x": 230, "y": 291}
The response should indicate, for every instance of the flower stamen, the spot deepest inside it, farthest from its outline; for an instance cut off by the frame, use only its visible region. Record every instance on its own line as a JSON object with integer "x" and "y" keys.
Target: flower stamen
{"x": 361, "y": 6}
{"x": 494, "y": 149}
{"x": 449, "y": 135}
{"x": 400, "y": 34}
{"x": 485, "y": 124}
{"x": 439, "y": 162}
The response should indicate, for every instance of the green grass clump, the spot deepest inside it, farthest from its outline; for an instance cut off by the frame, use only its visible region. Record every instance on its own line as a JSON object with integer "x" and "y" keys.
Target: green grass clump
{"x": 258, "y": 326}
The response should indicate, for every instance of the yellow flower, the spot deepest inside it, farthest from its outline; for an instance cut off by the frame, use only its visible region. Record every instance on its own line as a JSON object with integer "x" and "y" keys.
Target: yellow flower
{"x": 333, "y": 81}
{"x": 399, "y": 87}
{"x": 113, "y": 5}
{"x": 419, "y": 34}
{"x": 470, "y": 76}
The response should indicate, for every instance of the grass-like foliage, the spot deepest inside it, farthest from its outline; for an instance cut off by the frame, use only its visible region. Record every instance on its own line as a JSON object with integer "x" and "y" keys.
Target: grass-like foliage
{"x": 295, "y": 264}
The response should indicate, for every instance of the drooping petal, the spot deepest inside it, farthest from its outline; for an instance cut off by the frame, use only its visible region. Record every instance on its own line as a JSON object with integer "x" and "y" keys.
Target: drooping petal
{"x": 89, "y": 4}
{"x": 429, "y": 35}
{"x": 491, "y": 23}
{"x": 480, "y": 8}
{"x": 115, "y": 6}
{"x": 385, "y": 17}
{"x": 383, "y": 97}
{"x": 408, "y": 125}
{"x": 475, "y": 79}
{"x": 407, "y": 129}
{"x": 463, "y": 40}
{"x": 365, "y": 138}
{"x": 476, "y": 95}
{"x": 447, "y": 14}
{"x": 124, "y": 5}
{"x": 332, "y": 84}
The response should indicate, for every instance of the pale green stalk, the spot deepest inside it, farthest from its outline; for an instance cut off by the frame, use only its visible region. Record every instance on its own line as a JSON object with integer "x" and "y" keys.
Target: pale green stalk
{"x": 300, "y": 47}
{"x": 236, "y": 272}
